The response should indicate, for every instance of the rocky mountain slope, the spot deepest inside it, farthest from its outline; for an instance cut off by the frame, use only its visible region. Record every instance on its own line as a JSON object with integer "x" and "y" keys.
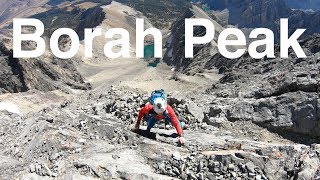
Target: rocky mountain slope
{"x": 280, "y": 94}
{"x": 89, "y": 137}
{"x": 51, "y": 73}
{"x": 160, "y": 12}
{"x": 45, "y": 74}
{"x": 75, "y": 18}
{"x": 65, "y": 13}
{"x": 175, "y": 52}
{"x": 10, "y": 9}
{"x": 260, "y": 13}
{"x": 284, "y": 95}
{"x": 307, "y": 5}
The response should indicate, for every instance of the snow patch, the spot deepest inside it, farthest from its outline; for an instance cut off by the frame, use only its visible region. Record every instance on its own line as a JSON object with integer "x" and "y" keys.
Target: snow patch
{"x": 10, "y": 107}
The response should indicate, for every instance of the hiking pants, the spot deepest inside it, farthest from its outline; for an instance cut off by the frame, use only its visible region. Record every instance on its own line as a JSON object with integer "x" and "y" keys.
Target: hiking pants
{"x": 151, "y": 121}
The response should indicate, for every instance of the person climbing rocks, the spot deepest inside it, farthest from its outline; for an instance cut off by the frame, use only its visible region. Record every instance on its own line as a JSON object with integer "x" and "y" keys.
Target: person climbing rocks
{"x": 158, "y": 109}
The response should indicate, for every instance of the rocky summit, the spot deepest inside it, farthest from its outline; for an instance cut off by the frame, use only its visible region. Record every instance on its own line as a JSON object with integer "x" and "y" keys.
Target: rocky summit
{"x": 73, "y": 118}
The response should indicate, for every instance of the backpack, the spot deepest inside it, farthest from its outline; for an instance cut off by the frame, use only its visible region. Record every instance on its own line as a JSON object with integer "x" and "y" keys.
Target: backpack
{"x": 157, "y": 94}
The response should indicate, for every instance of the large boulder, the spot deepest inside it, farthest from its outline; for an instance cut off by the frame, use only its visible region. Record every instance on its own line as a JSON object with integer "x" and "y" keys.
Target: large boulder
{"x": 195, "y": 111}
{"x": 280, "y": 94}
{"x": 295, "y": 111}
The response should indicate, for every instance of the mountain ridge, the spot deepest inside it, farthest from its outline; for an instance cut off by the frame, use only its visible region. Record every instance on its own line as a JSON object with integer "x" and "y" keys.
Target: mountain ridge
{"x": 261, "y": 14}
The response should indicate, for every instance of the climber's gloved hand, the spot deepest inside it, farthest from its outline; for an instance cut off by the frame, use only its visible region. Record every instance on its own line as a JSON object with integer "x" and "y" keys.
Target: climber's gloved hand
{"x": 181, "y": 140}
{"x": 135, "y": 128}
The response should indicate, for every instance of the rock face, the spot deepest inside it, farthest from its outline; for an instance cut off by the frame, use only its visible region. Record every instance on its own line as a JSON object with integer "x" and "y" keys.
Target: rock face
{"x": 260, "y": 13}
{"x": 48, "y": 73}
{"x": 308, "y": 4}
{"x": 19, "y": 75}
{"x": 10, "y": 9}
{"x": 175, "y": 54}
{"x": 281, "y": 94}
{"x": 160, "y": 13}
{"x": 69, "y": 13}
{"x": 77, "y": 19}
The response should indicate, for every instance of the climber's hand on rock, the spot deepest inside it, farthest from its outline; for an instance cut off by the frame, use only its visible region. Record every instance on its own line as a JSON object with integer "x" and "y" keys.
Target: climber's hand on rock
{"x": 181, "y": 140}
{"x": 136, "y": 128}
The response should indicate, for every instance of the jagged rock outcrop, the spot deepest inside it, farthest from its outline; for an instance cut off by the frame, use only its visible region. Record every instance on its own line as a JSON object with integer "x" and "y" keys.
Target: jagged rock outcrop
{"x": 77, "y": 19}
{"x": 307, "y": 4}
{"x": 20, "y": 75}
{"x": 175, "y": 54}
{"x": 260, "y": 13}
{"x": 160, "y": 13}
{"x": 10, "y": 9}
{"x": 281, "y": 94}
{"x": 49, "y": 73}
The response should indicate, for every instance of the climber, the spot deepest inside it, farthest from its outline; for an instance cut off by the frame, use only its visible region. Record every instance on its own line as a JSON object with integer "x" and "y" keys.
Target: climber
{"x": 158, "y": 109}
